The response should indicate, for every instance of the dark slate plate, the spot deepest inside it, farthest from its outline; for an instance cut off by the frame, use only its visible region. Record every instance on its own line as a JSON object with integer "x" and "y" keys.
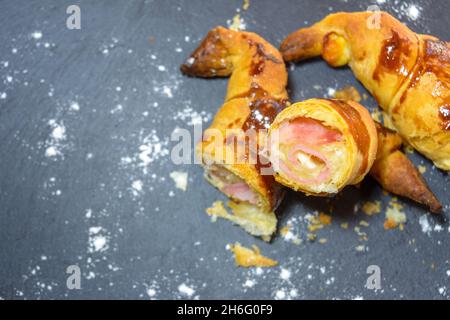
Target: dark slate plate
{"x": 81, "y": 112}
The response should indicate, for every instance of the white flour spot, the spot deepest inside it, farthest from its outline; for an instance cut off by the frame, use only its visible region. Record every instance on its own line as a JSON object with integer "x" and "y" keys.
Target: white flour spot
{"x": 116, "y": 109}
{"x": 98, "y": 240}
{"x": 180, "y": 178}
{"x": 74, "y": 106}
{"x": 161, "y": 68}
{"x": 36, "y": 35}
{"x": 249, "y": 283}
{"x": 57, "y": 136}
{"x": 413, "y": 12}
{"x": 285, "y": 274}
{"x": 152, "y": 149}
{"x": 137, "y": 187}
{"x": 425, "y": 224}
{"x": 280, "y": 295}
{"x": 151, "y": 292}
{"x": 331, "y": 92}
{"x": 185, "y": 290}
{"x": 167, "y": 91}
{"x": 191, "y": 116}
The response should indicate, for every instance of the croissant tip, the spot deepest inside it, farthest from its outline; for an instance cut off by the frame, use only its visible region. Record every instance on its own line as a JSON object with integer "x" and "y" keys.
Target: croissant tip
{"x": 436, "y": 208}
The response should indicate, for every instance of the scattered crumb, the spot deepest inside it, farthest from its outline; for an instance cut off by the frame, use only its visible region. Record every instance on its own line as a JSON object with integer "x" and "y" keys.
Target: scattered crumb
{"x": 237, "y": 23}
{"x": 422, "y": 169}
{"x": 344, "y": 225}
{"x": 370, "y": 208}
{"x": 246, "y": 258}
{"x": 311, "y": 237}
{"x": 394, "y": 215}
{"x": 364, "y": 223}
{"x": 246, "y": 4}
{"x": 288, "y": 235}
{"x": 317, "y": 221}
{"x": 348, "y": 93}
{"x": 217, "y": 210}
{"x": 362, "y": 235}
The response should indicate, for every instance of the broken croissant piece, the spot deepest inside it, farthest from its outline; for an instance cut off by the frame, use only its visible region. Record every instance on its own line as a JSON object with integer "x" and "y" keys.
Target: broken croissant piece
{"x": 408, "y": 73}
{"x": 319, "y": 146}
{"x": 256, "y": 93}
{"x": 245, "y": 257}
{"x": 397, "y": 174}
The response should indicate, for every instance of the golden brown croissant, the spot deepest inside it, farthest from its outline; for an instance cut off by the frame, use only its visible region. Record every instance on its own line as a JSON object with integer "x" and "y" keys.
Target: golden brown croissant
{"x": 408, "y": 73}
{"x": 397, "y": 174}
{"x": 256, "y": 93}
{"x": 319, "y": 146}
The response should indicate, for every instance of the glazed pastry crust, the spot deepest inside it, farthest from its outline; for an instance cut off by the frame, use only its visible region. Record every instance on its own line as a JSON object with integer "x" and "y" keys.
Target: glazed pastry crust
{"x": 397, "y": 174}
{"x": 355, "y": 124}
{"x": 408, "y": 73}
{"x": 258, "y": 80}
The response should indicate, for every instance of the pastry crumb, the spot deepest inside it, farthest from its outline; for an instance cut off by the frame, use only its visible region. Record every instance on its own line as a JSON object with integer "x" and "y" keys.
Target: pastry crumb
{"x": 395, "y": 217}
{"x": 217, "y": 210}
{"x": 344, "y": 225}
{"x": 311, "y": 237}
{"x": 422, "y": 169}
{"x": 318, "y": 221}
{"x": 370, "y": 208}
{"x": 237, "y": 23}
{"x": 348, "y": 93}
{"x": 245, "y": 257}
{"x": 364, "y": 223}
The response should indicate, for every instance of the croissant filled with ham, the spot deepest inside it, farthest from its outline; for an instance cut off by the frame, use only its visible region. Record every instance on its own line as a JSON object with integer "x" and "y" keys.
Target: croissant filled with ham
{"x": 256, "y": 93}
{"x": 319, "y": 146}
{"x": 408, "y": 73}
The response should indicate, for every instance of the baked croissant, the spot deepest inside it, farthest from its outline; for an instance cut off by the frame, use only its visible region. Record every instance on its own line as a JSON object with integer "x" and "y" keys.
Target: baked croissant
{"x": 256, "y": 93}
{"x": 319, "y": 146}
{"x": 408, "y": 73}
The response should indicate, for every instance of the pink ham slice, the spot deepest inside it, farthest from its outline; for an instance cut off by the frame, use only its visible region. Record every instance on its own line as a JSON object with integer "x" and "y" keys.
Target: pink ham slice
{"x": 302, "y": 134}
{"x": 240, "y": 191}
{"x": 309, "y": 131}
